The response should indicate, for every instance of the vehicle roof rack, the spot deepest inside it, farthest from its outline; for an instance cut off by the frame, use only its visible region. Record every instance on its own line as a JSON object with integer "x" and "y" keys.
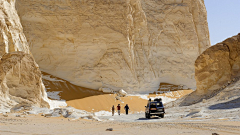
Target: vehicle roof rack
{"x": 158, "y": 99}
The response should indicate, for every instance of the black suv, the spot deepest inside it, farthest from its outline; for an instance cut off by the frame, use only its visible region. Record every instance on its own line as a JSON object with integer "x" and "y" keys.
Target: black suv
{"x": 154, "y": 108}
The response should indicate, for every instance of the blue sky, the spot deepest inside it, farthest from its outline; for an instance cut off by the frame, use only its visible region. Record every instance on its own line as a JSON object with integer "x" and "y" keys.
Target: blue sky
{"x": 223, "y": 19}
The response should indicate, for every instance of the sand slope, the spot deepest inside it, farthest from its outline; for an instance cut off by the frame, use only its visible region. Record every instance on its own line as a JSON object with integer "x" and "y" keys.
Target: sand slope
{"x": 95, "y": 101}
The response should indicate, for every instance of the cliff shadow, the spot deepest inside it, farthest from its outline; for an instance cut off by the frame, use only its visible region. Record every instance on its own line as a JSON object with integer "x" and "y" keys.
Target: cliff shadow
{"x": 226, "y": 105}
{"x": 65, "y": 90}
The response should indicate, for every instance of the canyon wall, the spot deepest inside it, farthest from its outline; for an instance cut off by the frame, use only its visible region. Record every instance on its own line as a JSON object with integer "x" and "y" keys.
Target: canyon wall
{"x": 129, "y": 44}
{"x": 218, "y": 66}
{"x": 12, "y": 37}
{"x": 215, "y": 69}
{"x": 20, "y": 77}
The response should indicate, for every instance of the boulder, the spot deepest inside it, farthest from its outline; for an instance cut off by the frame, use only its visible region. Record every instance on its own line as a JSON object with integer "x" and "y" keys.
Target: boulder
{"x": 215, "y": 69}
{"x": 122, "y": 93}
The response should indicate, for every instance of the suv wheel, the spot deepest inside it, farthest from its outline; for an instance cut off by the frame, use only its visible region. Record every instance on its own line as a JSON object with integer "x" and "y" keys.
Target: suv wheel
{"x": 162, "y": 115}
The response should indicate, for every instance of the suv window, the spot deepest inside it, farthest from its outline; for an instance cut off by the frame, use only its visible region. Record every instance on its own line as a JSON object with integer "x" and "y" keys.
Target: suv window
{"x": 153, "y": 105}
{"x": 159, "y": 104}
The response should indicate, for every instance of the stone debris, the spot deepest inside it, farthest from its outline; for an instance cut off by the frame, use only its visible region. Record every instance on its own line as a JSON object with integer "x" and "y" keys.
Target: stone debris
{"x": 122, "y": 93}
{"x": 106, "y": 90}
{"x": 68, "y": 112}
{"x": 109, "y": 129}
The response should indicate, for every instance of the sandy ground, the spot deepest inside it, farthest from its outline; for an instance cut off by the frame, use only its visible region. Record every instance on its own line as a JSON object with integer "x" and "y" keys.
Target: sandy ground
{"x": 37, "y": 125}
{"x": 94, "y": 101}
{"x": 106, "y": 101}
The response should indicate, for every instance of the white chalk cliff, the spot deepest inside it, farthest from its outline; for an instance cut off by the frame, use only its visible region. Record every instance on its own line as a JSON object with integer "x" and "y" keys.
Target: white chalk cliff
{"x": 20, "y": 77}
{"x": 129, "y": 44}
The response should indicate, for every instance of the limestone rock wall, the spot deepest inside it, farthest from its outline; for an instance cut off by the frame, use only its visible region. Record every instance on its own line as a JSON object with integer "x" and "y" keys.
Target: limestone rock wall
{"x": 21, "y": 80}
{"x": 129, "y": 44}
{"x": 20, "y": 77}
{"x": 218, "y": 65}
{"x": 216, "y": 68}
{"x": 12, "y": 37}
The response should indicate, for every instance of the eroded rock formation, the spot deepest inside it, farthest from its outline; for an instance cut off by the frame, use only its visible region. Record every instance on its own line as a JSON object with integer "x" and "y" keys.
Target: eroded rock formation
{"x": 129, "y": 44}
{"x": 12, "y": 37}
{"x": 20, "y": 77}
{"x": 216, "y": 68}
{"x": 166, "y": 87}
{"x": 218, "y": 65}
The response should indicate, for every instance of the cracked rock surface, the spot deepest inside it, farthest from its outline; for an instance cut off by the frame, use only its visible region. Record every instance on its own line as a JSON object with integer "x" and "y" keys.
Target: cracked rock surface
{"x": 20, "y": 77}
{"x": 121, "y": 44}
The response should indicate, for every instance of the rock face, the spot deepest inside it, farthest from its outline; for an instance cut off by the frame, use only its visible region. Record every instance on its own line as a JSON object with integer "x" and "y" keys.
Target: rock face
{"x": 12, "y": 37}
{"x": 20, "y": 77}
{"x": 218, "y": 65}
{"x": 165, "y": 87}
{"x": 216, "y": 68}
{"x": 129, "y": 44}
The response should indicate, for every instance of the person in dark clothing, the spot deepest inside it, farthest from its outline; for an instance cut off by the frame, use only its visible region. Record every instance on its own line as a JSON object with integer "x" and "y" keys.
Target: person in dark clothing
{"x": 118, "y": 108}
{"x": 113, "y": 110}
{"x": 126, "y": 109}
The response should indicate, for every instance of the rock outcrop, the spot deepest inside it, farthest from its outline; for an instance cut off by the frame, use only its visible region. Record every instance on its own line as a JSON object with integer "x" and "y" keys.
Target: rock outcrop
{"x": 166, "y": 87}
{"x": 216, "y": 68}
{"x": 129, "y": 44}
{"x": 12, "y": 37}
{"x": 20, "y": 77}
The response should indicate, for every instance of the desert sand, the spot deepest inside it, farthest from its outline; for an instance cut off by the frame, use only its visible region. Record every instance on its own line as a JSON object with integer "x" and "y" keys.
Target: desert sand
{"x": 37, "y": 125}
{"x": 106, "y": 101}
{"x": 94, "y": 101}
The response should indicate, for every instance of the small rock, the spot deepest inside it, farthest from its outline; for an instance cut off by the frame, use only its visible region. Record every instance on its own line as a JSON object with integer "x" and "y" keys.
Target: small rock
{"x": 18, "y": 116}
{"x": 204, "y": 100}
{"x": 118, "y": 98}
{"x": 215, "y": 134}
{"x": 48, "y": 115}
{"x": 25, "y": 113}
{"x": 109, "y": 129}
{"x": 5, "y": 115}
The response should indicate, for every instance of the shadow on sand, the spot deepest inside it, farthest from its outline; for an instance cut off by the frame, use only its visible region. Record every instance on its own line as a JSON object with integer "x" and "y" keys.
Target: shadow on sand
{"x": 68, "y": 90}
{"x": 227, "y": 105}
{"x": 152, "y": 118}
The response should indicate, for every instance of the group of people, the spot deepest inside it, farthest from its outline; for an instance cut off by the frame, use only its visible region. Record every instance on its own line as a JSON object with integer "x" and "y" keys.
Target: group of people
{"x": 119, "y": 109}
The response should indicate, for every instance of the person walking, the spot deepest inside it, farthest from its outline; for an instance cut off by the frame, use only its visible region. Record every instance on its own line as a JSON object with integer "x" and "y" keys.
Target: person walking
{"x": 126, "y": 109}
{"x": 113, "y": 110}
{"x": 118, "y": 108}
